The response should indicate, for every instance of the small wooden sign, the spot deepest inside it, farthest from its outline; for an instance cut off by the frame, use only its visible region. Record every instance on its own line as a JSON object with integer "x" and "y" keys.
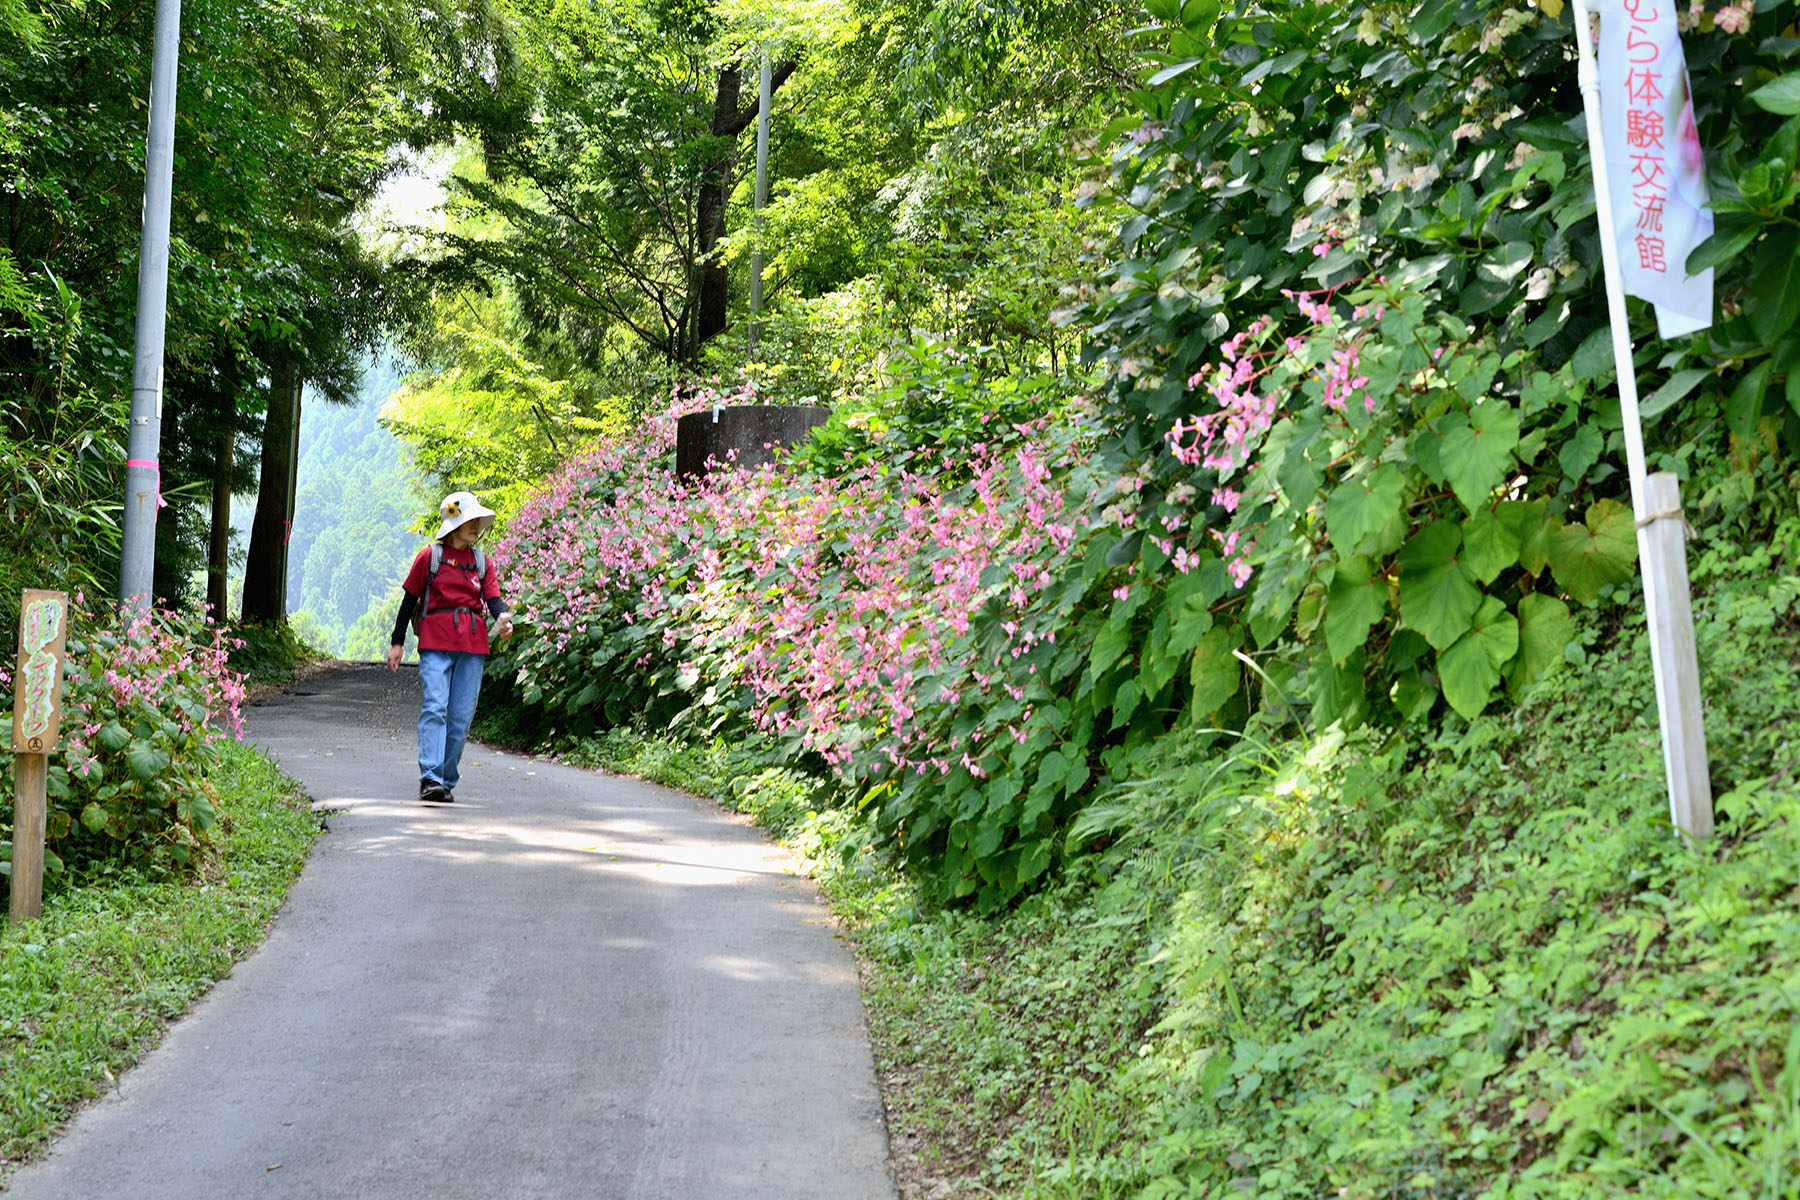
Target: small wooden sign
{"x": 38, "y": 684}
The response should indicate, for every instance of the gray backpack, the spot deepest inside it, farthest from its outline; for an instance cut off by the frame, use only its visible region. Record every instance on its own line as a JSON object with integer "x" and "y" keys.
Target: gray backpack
{"x": 437, "y": 560}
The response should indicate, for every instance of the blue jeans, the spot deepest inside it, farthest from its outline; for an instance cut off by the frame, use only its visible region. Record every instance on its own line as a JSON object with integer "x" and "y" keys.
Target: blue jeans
{"x": 451, "y": 681}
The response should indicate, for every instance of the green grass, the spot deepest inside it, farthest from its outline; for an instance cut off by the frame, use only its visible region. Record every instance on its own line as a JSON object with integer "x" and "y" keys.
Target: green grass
{"x": 1468, "y": 961}
{"x": 88, "y": 988}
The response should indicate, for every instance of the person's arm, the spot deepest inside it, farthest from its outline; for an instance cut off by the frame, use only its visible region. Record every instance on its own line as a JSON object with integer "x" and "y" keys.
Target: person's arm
{"x": 501, "y": 615}
{"x": 410, "y": 590}
{"x": 498, "y": 610}
{"x": 409, "y": 603}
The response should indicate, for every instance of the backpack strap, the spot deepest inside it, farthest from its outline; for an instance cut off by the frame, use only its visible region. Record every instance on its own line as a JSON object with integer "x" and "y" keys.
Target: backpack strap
{"x": 437, "y": 560}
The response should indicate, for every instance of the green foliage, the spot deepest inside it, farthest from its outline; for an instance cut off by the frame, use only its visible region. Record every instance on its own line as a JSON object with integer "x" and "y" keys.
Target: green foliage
{"x": 269, "y": 652}
{"x": 1426, "y": 451}
{"x": 63, "y": 492}
{"x": 490, "y": 419}
{"x": 146, "y": 704}
{"x": 286, "y": 118}
{"x": 931, "y": 399}
{"x": 94, "y": 984}
{"x": 1469, "y": 961}
{"x": 356, "y": 515}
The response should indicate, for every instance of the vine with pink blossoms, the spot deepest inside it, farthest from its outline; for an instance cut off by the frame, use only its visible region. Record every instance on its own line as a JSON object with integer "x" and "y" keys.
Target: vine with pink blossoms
{"x": 942, "y": 631}
{"x": 145, "y": 701}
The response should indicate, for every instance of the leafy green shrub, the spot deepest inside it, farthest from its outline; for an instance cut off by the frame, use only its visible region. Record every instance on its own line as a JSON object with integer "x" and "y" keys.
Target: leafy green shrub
{"x": 144, "y": 706}
{"x": 1414, "y": 182}
{"x": 1471, "y": 961}
{"x": 935, "y": 626}
{"x": 268, "y": 651}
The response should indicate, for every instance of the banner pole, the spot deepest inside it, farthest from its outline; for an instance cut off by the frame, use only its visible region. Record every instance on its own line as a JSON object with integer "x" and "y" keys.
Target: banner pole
{"x": 1661, "y": 527}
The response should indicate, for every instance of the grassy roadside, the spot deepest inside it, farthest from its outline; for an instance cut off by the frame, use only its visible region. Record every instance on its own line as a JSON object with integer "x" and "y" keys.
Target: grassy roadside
{"x": 1466, "y": 961}
{"x": 90, "y": 987}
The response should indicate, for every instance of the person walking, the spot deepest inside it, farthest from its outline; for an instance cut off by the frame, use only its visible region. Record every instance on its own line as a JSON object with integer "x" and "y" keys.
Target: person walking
{"x": 449, "y": 596}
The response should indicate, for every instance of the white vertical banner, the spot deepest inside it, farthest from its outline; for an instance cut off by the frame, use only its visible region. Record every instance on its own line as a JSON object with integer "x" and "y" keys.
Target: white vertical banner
{"x": 1659, "y": 167}
{"x": 1661, "y": 209}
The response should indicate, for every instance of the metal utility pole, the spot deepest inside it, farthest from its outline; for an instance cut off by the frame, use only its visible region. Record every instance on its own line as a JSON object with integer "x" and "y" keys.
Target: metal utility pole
{"x": 762, "y": 199}
{"x": 143, "y": 475}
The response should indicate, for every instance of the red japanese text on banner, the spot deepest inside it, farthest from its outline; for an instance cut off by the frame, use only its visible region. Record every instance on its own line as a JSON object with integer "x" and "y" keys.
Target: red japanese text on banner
{"x": 1661, "y": 209}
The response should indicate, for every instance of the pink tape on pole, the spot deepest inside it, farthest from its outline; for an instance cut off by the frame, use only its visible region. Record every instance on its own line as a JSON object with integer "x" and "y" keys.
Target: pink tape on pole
{"x": 154, "y": 466}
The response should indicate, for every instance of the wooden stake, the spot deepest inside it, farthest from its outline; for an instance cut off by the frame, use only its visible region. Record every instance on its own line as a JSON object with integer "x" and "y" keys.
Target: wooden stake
{"x": 1662, "y": 537}
{"x": 27, "y": 893}
{"x": 37, "y": 723}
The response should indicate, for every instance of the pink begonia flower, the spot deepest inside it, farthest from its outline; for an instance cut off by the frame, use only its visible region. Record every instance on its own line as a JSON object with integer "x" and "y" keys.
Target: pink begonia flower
{"x": 839, "y": 599}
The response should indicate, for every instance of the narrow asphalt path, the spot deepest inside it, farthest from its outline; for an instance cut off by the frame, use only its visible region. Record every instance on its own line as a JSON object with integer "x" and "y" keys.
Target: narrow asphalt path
{"x": 563, "y": 985}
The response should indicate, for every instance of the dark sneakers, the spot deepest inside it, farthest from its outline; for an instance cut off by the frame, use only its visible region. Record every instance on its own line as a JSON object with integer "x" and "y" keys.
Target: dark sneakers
{"x": 434, "y": 793}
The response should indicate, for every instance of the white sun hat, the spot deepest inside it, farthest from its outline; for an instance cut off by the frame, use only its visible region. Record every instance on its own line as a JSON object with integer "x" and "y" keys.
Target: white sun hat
{"x": 459, "y": 508}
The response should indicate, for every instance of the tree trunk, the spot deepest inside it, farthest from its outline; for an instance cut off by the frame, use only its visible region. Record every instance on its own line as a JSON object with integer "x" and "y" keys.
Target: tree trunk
{"x": 712, "y": 285}
{"x": 218, "y": 550}
{"x": 265, "y": 567}
{"x": 293, "y": 487}
{"x": 712, "y": 281}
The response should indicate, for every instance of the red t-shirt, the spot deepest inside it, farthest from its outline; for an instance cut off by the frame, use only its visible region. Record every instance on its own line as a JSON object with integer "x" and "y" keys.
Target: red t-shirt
{"x": 455, "y": 587}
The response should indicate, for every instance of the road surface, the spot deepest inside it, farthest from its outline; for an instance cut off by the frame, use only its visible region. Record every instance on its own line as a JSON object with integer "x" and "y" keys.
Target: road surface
{"x": 562, "y": 985}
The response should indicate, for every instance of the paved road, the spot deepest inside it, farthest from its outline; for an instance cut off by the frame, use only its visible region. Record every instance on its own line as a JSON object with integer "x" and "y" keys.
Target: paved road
{"x": 563, "y": 985}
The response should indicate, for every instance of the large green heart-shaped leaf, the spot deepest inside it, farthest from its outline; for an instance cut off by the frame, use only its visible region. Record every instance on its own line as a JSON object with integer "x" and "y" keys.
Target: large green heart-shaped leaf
{"x": 1336, "y": 691}
{"x": 1216, "y": 674}
{"x": 1437, "y": 596}
{"x": 1531, "y": 523}
{"x": 1476, "y": 453}
{"x": 1772, "y": 295}
{"x": 1580, "y": 451}
{"x": 1489, "y": 546}
{"x": 1298, "y": 475}
{"x": 1112, "y": 642}
{"x": 145, "y": 761}
{"x": 1357, "y": 600}
{"x": 1545, "y": 631}
{"x": 1599, "y": 551}
{"x": 1470, "y": 669}
{"x": 1361, "y": 508}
